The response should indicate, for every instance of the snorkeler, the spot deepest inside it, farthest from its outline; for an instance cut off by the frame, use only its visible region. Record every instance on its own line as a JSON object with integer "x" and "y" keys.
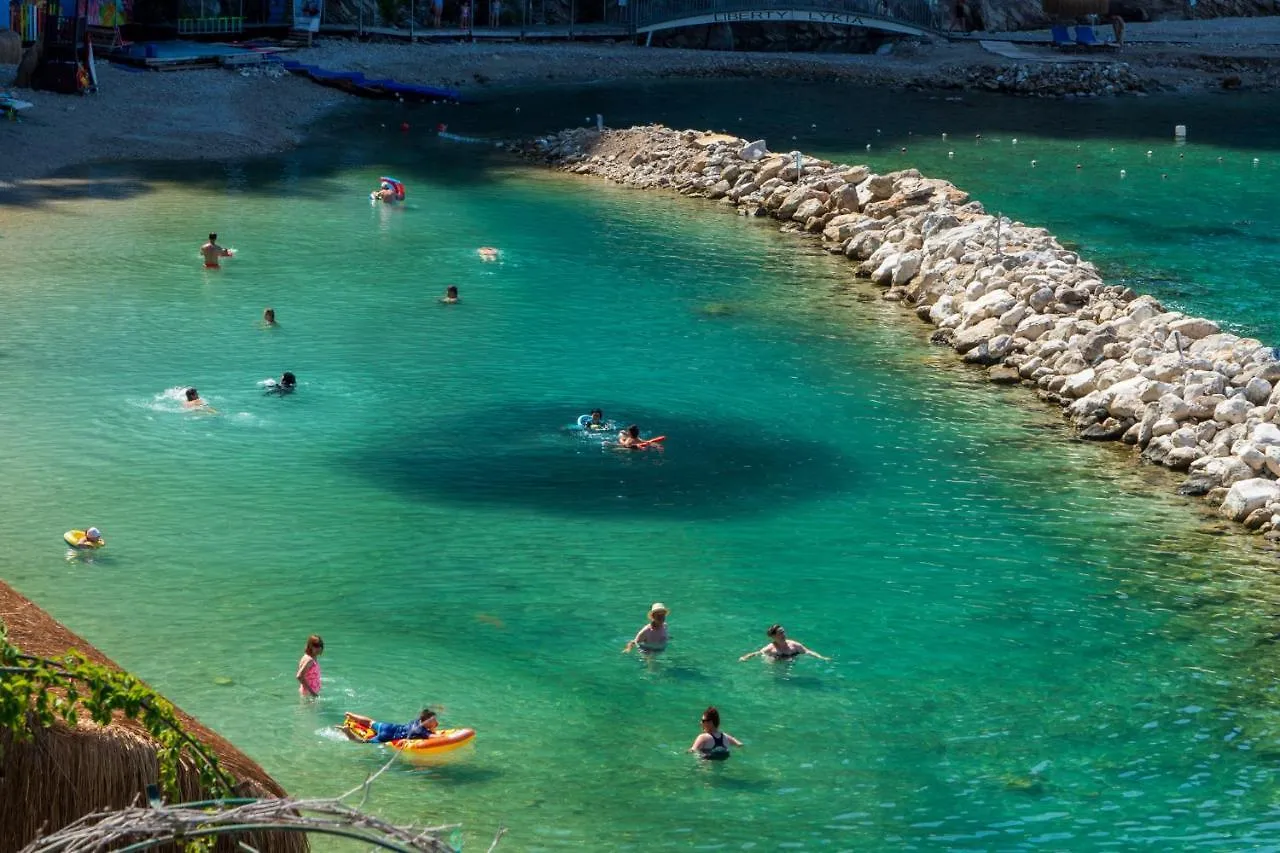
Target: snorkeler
{"x": 450, "y": 295}
{"x": 780, "y": 648}
{"x": 286, "y": 384}
{"x": 652, "y": 637}
{"x": 212, "y": 252}
{"x": 420, "y": 729}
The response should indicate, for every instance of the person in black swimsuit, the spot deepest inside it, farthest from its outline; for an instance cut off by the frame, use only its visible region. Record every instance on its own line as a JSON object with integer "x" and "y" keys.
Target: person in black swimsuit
{"x": 713, "y": 744}
{"x": 780, "y": 648}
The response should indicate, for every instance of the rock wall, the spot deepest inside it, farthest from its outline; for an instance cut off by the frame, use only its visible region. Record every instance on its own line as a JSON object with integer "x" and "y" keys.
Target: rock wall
{"x": 1007, "y": 297}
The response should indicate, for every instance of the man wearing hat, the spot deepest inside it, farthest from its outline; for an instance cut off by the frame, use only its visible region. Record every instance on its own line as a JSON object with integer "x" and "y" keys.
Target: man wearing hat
{"x": 652, "y": 637}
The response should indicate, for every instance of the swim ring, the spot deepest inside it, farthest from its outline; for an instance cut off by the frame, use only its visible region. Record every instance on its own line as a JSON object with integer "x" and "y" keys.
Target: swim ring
{"x": 443, "y": 740}
{"x": 75, "y": 538}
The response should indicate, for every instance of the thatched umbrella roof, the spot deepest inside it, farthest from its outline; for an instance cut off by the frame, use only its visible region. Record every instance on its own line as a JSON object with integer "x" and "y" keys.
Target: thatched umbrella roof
{"x": 65, "y": 773}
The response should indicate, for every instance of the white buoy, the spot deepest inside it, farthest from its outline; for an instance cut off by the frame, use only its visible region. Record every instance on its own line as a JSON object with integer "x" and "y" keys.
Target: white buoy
{"x": 1180, "y": 131}
{"x": 944, "y": 136}
{"x": 1123, "y": 173}
{"x": 877, "y": 131}
{"x": 600, "y": 122}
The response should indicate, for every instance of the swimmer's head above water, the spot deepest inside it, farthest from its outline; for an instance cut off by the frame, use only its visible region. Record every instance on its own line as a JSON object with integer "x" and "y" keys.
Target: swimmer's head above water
{"x": 193, "y": 396}
{"x": 288, "y": 380}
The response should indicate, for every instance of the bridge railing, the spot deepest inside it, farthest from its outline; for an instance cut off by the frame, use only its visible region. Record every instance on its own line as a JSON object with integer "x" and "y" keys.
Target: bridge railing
{"x": 923, "y": 14}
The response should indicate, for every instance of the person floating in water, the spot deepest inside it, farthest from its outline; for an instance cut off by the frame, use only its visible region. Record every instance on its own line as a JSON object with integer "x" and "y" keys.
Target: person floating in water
{"x": 309, "y": 668}
{"x": 193, "y": 400}
{"x": 597, "y": 421}
{"x": 630, "y": 437}
{"x": 213, "y": 253}
{"x": 487, "y": 253}
{"x": 286, "y": 384}
{"x": 780, "y": 648}
{"x": 713, "y": 744}
{"x": 385, "y": 193}
{"x": 420, "y": 729}
{"x": 450, "y": 295}
{"x": 92, "y": 538}
{"x": 652, "y": 637}
{"x": 269, "y": 317}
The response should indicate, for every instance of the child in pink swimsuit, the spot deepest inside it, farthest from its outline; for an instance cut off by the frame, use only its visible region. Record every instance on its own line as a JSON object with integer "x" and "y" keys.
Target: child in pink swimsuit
{"x": 309, "y": 669}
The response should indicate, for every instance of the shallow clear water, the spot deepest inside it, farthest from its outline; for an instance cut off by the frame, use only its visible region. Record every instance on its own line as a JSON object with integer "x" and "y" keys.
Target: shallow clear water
{"x": 1036, "y": 645}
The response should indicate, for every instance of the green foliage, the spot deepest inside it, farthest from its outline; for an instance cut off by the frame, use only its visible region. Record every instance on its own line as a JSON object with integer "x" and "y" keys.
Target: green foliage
{"x": 36, "y": 693}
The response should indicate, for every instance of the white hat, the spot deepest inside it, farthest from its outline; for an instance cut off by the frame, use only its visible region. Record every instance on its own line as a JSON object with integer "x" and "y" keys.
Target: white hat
{"x": 93, "y": 533}
{"x": 658, "y": 607}
{"x": 386, "y": 186}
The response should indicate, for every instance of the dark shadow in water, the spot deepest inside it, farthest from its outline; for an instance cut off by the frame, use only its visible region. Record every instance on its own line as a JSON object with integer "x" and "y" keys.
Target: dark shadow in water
{"x": 710, "y": 468}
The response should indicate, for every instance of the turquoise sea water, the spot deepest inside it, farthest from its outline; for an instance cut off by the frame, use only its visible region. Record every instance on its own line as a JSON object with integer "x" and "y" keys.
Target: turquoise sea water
{"x": 1036, "y": 644}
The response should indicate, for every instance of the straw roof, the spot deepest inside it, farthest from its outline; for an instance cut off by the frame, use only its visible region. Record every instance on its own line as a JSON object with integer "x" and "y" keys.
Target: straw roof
{"x": 65, "y": 773}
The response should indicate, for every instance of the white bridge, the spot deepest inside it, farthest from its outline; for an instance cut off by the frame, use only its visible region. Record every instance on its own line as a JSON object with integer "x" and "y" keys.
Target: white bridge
{"x": 909, "y": 17}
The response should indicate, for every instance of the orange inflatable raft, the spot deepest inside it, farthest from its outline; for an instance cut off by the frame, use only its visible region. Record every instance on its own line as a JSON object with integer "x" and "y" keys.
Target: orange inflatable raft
{"x": 441, "y": 741}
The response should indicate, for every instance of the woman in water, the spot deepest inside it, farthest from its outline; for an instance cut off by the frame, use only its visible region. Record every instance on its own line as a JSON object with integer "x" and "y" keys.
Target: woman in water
{"x": 385, "y": 193}
{"x": 420, "y": 729}
{"x": 309, "y": 668}
{"x": 780, "y": 648}
{"x": 652, "y": 637}
{"x": 713, "y": 744}
{"x": 269, "y": 317}
{"x": 450, "y": 295}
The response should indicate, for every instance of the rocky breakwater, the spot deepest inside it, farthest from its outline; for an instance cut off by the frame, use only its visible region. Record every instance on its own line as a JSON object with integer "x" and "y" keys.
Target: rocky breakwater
{"x": 1005, "y": 296}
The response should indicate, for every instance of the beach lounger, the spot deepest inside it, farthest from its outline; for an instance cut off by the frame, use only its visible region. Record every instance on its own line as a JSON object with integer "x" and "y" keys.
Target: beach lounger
{"x": 1061, "y": 38}
{"x": 1085, "y": 37}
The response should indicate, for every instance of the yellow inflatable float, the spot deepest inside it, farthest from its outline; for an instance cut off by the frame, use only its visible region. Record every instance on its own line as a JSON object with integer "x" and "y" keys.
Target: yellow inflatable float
{"x": 441, "y": 740}
{"x": 90, "y": 538}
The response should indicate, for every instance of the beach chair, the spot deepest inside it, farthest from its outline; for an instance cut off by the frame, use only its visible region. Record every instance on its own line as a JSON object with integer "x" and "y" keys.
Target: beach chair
{"x": 1061, "y": 38}
{"x": 1085, "y": 37}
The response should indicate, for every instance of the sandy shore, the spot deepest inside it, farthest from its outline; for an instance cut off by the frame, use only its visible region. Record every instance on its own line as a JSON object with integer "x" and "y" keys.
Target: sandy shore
{"x": 223, "y": 114}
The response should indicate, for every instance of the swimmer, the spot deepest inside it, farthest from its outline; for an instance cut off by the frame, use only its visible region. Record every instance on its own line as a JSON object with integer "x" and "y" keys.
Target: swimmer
{"x": 286, "y": 384}
{"x": 193, "y": 400}
{"x": 487, "y": 253}
{"x": 269, "y": 316}
{"x": 384, "y": 194}
{"x": 212, "y": 252}
{"x": 92, "y": 538}
{"x": 630, "y": 437}
{"x": 712, "y": 744}
{"x": 780, "y": 648}
{"x": 597, "y": 420}
{"x": 652, "y": 637}
{"x": 450, "y": 295}
{"x": 420, "y": 729}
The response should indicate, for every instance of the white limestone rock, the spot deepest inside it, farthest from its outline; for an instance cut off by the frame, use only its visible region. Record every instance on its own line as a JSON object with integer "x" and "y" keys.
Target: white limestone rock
{"x": 1079, "y": 383}
{"x": 1265, "y": 434}
{"x": 1247, "y": 495}
{"x": 1194, "y": 328}
{"x": 1257, "y": 391}
{"x": 753, "y": 151}
{"x": 1233, "y": 411}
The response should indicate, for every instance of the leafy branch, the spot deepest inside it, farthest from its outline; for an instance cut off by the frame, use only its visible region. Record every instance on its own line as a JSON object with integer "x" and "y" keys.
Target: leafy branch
{"x": 38, "y": 692}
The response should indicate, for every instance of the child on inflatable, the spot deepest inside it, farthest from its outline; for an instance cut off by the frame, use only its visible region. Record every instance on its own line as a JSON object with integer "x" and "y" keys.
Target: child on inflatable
{"x": 369, "y": 730}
